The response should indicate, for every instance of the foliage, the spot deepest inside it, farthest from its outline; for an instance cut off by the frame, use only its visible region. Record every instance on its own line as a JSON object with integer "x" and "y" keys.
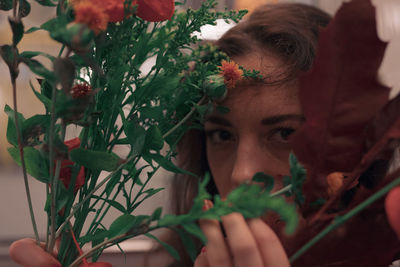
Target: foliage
{"x": 98, "y": 83}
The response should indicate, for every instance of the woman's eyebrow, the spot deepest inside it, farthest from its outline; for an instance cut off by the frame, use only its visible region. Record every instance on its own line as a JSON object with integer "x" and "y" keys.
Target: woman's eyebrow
{"x": 218, "y": 120}
{"x": 280, "y": 118}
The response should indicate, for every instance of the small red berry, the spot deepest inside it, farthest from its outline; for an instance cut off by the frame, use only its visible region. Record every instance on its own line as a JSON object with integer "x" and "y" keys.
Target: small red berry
{"x": 80, "y": 90}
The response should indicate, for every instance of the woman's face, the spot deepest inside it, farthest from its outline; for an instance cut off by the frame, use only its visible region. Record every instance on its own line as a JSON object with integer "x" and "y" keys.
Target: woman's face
{"x": 253, "y": 136}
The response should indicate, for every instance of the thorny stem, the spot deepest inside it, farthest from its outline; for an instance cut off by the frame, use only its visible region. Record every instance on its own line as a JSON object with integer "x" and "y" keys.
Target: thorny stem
{"x": 342, "y": 219}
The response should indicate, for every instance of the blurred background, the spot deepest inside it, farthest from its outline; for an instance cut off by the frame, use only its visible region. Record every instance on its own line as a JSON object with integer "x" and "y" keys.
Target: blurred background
{"x": 15, "y": 222}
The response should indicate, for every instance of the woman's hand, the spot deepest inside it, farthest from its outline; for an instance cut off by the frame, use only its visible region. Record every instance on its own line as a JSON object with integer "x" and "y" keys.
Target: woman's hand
{"x": 247, "y": 243}
{"x": 27, "y": 253}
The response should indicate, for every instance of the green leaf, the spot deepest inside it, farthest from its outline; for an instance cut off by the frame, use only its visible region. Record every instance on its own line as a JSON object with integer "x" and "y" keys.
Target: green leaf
{"x": 195, "y": 230}
{"x": 112, "y": 182}
{"x": 97, "y": 236}
{"x": 136, "y": 135}
{"x": 35, "y": 126}
{"x": 126, "y": 223}
{"x": 17, "y": 29}
{"x": 267, "y": 180}
{"x": 31, "y": 54}
{"x": 98, "y": 239}
{"x": 154, "y": 139}
{"x": 188, "y": 243}
{"x": 35, "y": 164}
{"x": 168, "y": 165}
{"x": 45, "y": 2}
{"x": 24, "y": 8}
{"x": 38, "y": 68}
{"x": 112, "y": 203}
{"x": 32, "y": 29}
{"x": 61, "y": 201}
{"x": 156, "y": 214}
{"x": 167, "y": 247}
{"x": 7, "y": 53}
{"x": 45, "y": 100}
{"x": 95, "y": 160}
{"x": 6, "y": 5}
{"x": 299, "y": 175}
{"x": 11, "y": 130}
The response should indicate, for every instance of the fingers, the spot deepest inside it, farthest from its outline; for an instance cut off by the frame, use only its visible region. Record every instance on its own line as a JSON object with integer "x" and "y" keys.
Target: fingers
{"x": 217, "y": 249}
{"x": 272, "y": 251}
{"x": 201, "y": 260}
{"x": 242, "y": 242}
{"x": 28, "y": 254}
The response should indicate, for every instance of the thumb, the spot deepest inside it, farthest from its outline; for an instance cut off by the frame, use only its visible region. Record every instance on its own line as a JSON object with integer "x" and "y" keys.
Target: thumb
{"x": 392, "y": 208}
{"x": 27, "y": 253}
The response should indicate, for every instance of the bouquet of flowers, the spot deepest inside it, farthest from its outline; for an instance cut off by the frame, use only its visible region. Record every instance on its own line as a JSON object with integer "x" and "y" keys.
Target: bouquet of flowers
{"x": 97, "y": 84}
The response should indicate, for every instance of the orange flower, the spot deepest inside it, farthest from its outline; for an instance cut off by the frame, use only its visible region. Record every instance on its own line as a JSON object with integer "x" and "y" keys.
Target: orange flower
{"x": 93, "y": 15}
{"x": 114, "y": 8}
{"x": 66, "y": 165}
{"x": 231, "y": 73}
{"x": 80, "y": 89}
{"x": 155, "y": 10}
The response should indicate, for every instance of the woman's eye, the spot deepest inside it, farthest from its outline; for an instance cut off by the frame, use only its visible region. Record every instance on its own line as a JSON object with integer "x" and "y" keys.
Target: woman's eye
{"x": 282, "y": 134}
{"x": 219, "y": 136}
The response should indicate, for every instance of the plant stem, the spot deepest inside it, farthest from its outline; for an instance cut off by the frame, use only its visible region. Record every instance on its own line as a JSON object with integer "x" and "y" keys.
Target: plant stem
{"x": 184, "y": 119}
{"x": 338, "y": 221}
{"x": 88, "y": 253}
{"x": 89, "y": 195}
{"x": 21, "y": 153}
{"x": 50, "y": 244}
{"x": 14, "y": 74}
{"x": 281, "y": 191}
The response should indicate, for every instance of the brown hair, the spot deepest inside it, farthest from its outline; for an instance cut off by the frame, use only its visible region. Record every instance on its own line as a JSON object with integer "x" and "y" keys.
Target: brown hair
{"x": 291, "y": 32}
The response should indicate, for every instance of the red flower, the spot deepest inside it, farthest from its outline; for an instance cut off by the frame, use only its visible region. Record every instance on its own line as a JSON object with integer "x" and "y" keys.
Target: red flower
{"x": 155, "y": 10}
{"x": 113, "y": 8}
{"x": 80, "y": 89}
{"x": 66, "y": 171}
{"x": 231, "y": 72}
{"x": 91, "y": 14}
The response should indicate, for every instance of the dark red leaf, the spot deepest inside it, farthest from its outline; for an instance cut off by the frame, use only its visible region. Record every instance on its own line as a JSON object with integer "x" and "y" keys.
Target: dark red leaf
{"x": 340, "y": 96}
{"x": 386, "y": 123}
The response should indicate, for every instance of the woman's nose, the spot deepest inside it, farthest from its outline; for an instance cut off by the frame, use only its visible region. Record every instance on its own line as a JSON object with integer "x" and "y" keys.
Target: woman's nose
{"x": 250, "y": 159}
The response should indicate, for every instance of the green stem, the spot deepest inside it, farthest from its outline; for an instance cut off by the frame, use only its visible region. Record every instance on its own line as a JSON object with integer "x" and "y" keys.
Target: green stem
{"x": 21, "y": 153}
{"x": 50, "y": 244}
{"x": 184, "y": 119}
{"x": 89, "y": 195}
{"x": 342, "y": 219}
{"x": 88, "y": 253}
{"x": 282, "y": 191}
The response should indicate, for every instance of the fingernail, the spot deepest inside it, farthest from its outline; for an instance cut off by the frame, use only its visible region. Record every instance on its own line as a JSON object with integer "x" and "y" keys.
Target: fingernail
{"x": 207, "y": 205}
{"x": 203, "y": 250}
